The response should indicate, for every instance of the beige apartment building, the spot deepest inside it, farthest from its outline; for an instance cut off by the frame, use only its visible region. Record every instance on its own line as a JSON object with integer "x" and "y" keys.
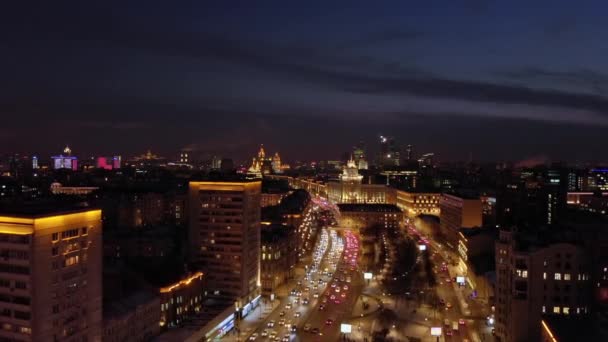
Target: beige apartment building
{"x": 225, "y": 238}
{"x": 50, "y": 275}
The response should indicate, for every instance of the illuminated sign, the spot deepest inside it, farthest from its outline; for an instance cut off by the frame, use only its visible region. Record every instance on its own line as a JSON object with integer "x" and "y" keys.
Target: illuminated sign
{"x": 435, "y": 331}
{"x": 345, "y": 328}
{"x": 422, "y": 247}
{"x": 367, "y": 275}
{"x": 460, "y": 280}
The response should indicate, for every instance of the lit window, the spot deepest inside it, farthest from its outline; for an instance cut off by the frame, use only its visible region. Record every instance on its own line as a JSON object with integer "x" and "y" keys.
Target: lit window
{"x": 524, "y": 274}
{"x": 544, "y": 309}
{"x": 556, "y": 309}
{"x": 566, "y": 276}
{"x": 566, "y": 310}
{"x": 544, "y": 275}
{"x": 558, "y": 276}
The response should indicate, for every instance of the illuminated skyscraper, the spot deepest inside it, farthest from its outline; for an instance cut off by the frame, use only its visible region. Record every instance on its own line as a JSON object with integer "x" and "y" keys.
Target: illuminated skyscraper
{"x": 409, "y": 150}
{"x": 50, "y": 275}
{"x": 389, "y": 153}
{"x": 65, "y": 160}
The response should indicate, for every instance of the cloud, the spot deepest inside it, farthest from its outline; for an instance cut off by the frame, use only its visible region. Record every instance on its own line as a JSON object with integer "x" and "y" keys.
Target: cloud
{"x": 334, "y": 71}
{"x": 590, "y": 80}
{"x": 392, "y": 36}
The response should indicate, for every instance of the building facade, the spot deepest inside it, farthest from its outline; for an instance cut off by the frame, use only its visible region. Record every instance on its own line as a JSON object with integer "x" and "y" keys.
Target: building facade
{"x": 418, "y": 203}
{"x": 536, "y": 279}
{"x": 132, "y": 319}
{"x": 181, "y": 300}
{"x": 349, "y": 189}
{"x": 279, "y": 256}
{"x": 224, "y": 234}
{"x": 51, "y": 275}
{"x": 458, "y": 212}
{"x": 357, "y": 216}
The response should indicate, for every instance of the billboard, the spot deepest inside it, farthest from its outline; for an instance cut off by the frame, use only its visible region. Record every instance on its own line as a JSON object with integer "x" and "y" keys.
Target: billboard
{"x": 422, "y": 247}
{"x": 435, "y": 331}
{"x": 367, "y": 275}
{"x": 460, "y": 280}
{"x": 345, "y": 328}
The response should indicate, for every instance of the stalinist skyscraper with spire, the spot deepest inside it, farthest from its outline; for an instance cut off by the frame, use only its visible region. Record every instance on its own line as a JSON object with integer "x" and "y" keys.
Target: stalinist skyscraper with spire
{"x": 262, "y": 165}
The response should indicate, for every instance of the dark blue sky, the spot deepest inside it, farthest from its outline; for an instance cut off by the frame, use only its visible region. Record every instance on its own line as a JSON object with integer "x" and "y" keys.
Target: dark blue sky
{"x": 501, "y": 79}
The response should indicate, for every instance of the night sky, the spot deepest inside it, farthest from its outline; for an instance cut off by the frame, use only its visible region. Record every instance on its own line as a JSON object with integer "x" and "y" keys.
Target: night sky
{"x": 501, "y": 79}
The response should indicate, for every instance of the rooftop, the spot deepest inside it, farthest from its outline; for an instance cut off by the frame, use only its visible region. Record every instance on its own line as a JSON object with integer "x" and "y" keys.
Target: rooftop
{"x": 384, "y": 208}
{"x": 275, "y": 232}
{"x": 40, "y": 209}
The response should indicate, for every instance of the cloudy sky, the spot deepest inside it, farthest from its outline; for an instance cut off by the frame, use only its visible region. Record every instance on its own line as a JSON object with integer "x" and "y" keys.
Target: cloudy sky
{"x": 499, "y": 79}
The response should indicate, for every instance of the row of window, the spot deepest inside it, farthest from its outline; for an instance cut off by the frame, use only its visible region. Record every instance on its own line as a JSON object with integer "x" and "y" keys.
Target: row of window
{"x": 14, "y": 238}
{"x": 566, "y": 276}
{"x": 16, "y": 328}
{"x": 18, "y": 284}
{"x": 566, "y": 310}
{"x": 70, "y": 233}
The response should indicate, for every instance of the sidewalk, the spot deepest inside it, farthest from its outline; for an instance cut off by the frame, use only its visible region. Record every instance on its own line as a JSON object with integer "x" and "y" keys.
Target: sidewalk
{"x": 250, "y": 323}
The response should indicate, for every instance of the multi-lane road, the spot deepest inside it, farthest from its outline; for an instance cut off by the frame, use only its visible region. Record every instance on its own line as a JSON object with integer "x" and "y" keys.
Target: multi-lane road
{"x": 321, "y": 298}
{"x": 328, "y": 289}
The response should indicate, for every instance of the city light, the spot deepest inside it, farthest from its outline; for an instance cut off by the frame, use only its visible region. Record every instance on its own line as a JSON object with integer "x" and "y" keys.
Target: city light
{"x": 345, "y": 328}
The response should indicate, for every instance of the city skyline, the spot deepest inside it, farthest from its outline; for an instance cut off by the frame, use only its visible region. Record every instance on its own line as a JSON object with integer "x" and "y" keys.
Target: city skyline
{"x": 454, "y": 79}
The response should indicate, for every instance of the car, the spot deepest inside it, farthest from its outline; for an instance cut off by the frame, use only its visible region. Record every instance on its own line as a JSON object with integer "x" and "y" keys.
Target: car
{"x": 461, "y": 321}
{"x": 271, "y": 323}
{"x": 333, "y": 285}
{"x": 293, "y": 328}
{"x": 337, "y": 289}
{"x": 442, "y": 302}
{"x": 448, "y": 305}
{"x": 315, "y": 331}
{"x": 446, "y": 322}
{"x": 305, "y": 301}
{"x": 281, "y": 322}
{"x": 288, "y": 307}
{"x": 332, "y": 297}
{"x": 324, "y": 300}
{"x": 282, "y": 314}
{"x": 345, "y": 287}
{"x": 307, "y": 327}
{"x": 264, "y": 333}
{"x": 297, "y": 314}
{"x": 321, "y": 307}
{"x": 343, "y": 295}
{"x": 253, "y": 336}
{"x": 337, "y": 301}
{"x": 315, "y": 295}
{"x": 329, "y": 321}
{"x": 449, "y": 332}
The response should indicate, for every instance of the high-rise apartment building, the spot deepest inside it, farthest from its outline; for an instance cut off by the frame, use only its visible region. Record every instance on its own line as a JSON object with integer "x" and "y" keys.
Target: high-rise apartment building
{"x": 458, "y": 211}
{"x": 538, "y": 275}
{"x": 50, "y": 274}
{"x": 225, "y": 238}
